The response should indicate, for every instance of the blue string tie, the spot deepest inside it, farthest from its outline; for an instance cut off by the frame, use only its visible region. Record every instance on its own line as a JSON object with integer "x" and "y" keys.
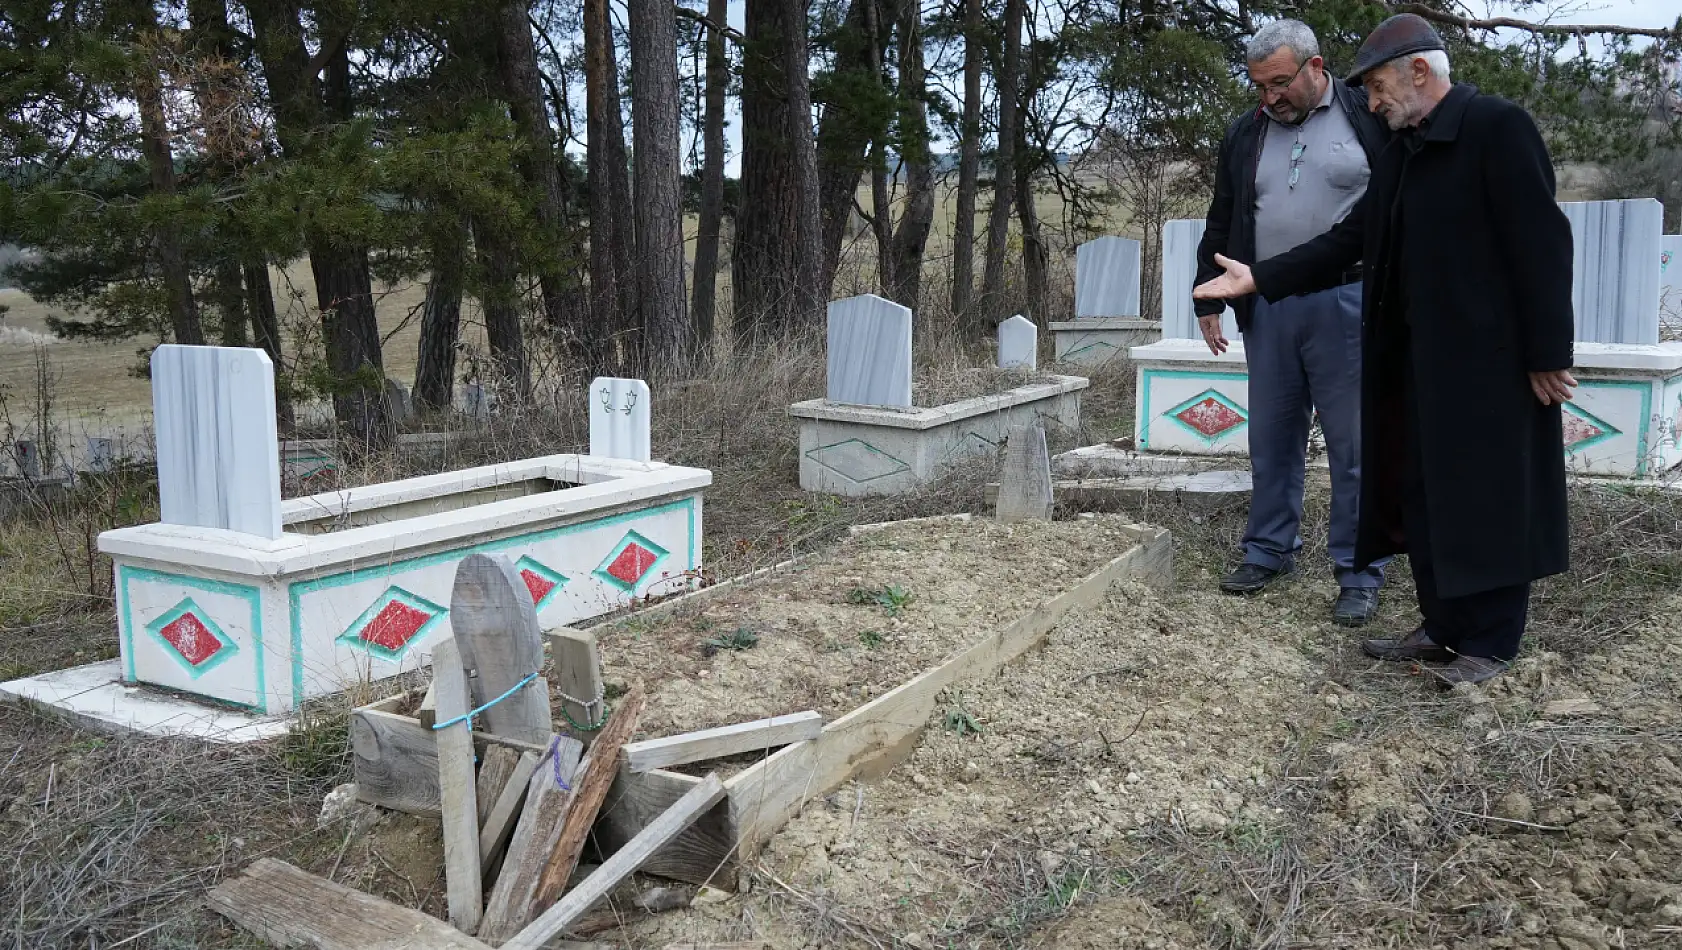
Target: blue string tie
{"x": 467, "y": 717}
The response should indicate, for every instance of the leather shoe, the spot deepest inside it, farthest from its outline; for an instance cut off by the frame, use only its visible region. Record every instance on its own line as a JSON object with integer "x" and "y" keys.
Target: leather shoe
{"x": 1355, "y": 606}
{"x": 1415, "y": 647}
{"x": 1251, "y": 578}
{"x": 1468, "y": 669}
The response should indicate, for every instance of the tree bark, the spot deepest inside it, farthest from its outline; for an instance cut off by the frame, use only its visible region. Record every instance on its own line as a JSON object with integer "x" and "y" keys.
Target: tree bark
{"x": 969, "y": 164}
{"x": 522, "y": 83}
{"x": 703, "y": 306}
{"x": 1035, "y": 255}
{"x": 912, "y": 235}
{"x": 849, "y": 125}
{"x": 1004, "y": 165}
{"x": 265, "y": 326}
{"x": 440, "y": 332}
{"x": 659, "y": 200}
{"x": 613, "y": 293}
{"x": 212, "y": 41}
{"x": 777, "y": 258}
{"x": 230, "y": 301}
{"x": 184, "y": 322}
{"x": 500, "y": 298}
{"x": 303, "y": 107}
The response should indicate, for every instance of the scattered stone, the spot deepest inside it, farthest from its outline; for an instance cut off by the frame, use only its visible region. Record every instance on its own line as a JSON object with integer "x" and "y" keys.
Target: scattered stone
{"x": 339, "y": 805}
{"x": 710, "y": 896}
{"x": 658, "y": 900}
{"x": 1566, "y": 708}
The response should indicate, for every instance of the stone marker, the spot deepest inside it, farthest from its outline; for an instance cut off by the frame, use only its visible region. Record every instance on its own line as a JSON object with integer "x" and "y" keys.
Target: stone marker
{"x": 1179, "y": 275}
{"x": 1025, "y": 483}
{"x": 1019, "y": 346}
{"x": 1615, "y": 269}
{"x": 477, "y": 401}
{"x": 397, "y": 399}
{"x": 28, "y": 455}
{"x": 1107, "y": 278}
{"x": 620, "y": 419}
{"x": 213, "y": 410}
{"x": 102, "y": 454}
{"x": 869, "y": 352}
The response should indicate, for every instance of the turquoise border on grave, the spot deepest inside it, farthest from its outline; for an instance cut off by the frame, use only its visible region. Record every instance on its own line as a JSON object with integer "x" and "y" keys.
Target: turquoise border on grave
{"x": 295, "y": 592}
{"x": 632, "y": 536}
{"x": 1147, "y": 374}
{"x": 127, "y": 574}
{"x": 1646, "y": 388}
{"x": 529, "y": 563}
{"x": 1607, "y": 429}
{"x": 188, "y": 606}
{"x": 350, "y": 637}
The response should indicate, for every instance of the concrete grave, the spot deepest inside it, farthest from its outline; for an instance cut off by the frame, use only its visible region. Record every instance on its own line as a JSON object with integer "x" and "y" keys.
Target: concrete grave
{"x": 1025, "y": 483}
{"x": 1190, "y": 400}
{"x": 869, "y": 344}
{"x": 1625, "y": 417}
{"x": 1615, "y": 269}
{"x": 620, "y": 419}
{"x": 1019, "y": 344}
{"x": 1107, "y": 322}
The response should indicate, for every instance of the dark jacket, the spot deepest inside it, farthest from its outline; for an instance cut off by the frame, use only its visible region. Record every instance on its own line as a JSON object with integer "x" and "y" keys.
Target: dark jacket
{"x": 1474, "y": 294}
{"x": 1231, "y": 228}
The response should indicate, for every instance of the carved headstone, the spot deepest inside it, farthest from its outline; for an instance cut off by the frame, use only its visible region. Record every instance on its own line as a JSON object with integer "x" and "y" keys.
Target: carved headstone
{"x": 1025, "y": 483}
{"x": 620, "y": 419}
{"x": 213, "y": 409}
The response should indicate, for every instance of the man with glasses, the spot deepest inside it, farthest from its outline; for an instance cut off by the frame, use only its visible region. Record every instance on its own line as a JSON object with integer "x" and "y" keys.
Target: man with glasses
{"x": 1288, "y": 171}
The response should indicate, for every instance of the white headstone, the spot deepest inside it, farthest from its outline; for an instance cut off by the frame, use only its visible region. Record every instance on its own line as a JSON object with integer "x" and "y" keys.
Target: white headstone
{"x": 1179, "y": 276}
{"x": 1019, "y": 344}
{"x": 869, "y": 352}
{"x": 1615, "y": 269}
{"x": 619, "y": 419}
{"x": 1107, "y": 278}
{"x": 218, "y": 458}
{"x": 1670, "y": 278}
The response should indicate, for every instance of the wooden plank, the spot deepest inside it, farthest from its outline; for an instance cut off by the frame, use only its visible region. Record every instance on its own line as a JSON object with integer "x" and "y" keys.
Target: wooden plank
{"x": 578, "y": 675}
{"x": 289, "y": 907}
{"x": 495, "y": 622}
{"x": 548, "y": 795}
{"x": 499, "y": 824}
{"x": 458, "y": 796}
{"x": 620, "y": 865}
{"x": 395, "y": 760}
{"x": 595, "y": 778}
{"x": 495, "y": 768}
{"x": 705, "y": 853}
{"x": 427, "y": 715}
{"x": 877, "y": 734}
{"x": 722, "y": 741}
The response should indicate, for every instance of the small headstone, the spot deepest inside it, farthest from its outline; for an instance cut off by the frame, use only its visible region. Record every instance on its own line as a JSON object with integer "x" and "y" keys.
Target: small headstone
{"x": 1019, "y": 346}
{"x": 29, "y": 459}
{"x": 102, "y": 454}
{"x": 477, "y": 401}
{"x": 869, "y": 352}
{"x": 213, "y": 409}
{"x": 1179, "y": 275}
{"x": 1616, "y": 248}
{"x": 397, "y": 399}
{"x": 1107, "y": 278}
{"x": 1025, "y": 483}
{"x": 620, "y": 419}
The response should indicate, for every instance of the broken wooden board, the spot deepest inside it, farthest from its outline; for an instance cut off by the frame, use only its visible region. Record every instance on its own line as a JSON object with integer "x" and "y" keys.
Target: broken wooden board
{"x": 498, "y": 825}
{"x": 548, "y": 797}
{"x": 289, "y": 907}
{"x": 555, "y": 921}
{"x": 496, "y": 767}
{"x": 495, "y": 624}
{"x": 395, "y": 758}
{"x": 457, "y": 792}
{"x": 703, "y": 854}
{"x": 723, "y": 741}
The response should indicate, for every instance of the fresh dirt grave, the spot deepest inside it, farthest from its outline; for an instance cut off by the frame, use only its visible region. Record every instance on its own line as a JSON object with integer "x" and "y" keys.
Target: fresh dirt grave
{"x": 1178, "y": 769}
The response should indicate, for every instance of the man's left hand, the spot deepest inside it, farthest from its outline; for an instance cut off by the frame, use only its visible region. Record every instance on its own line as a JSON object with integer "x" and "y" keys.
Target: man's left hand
{"x": 1553, "y": 386}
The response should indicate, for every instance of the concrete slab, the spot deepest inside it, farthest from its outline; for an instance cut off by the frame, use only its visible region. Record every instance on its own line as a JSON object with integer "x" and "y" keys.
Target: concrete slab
{"x": 95, "y": 696}
{"x": 1106, "y": 460}
{"x": 1197, "y": 490}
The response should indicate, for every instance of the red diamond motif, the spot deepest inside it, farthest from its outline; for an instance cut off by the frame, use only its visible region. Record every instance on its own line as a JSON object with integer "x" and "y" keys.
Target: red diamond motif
{"x": 632, "y": 563}
{"x": 1210, "y": 416}
{"x": 536, "y": 584}
{"x": 392, "y": 627}
{"x": 1578, "y": 429}
{"x": 191, "y": 638}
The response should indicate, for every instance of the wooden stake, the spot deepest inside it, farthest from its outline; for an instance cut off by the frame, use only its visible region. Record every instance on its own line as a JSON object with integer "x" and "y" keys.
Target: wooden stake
{"x": 626, "y": 860}
{"x": 427, "y": 714}
{"x": 495, "y": 829}
{"x": 456, "y": 789}
{"x": 534, "y": 840}
{"x": 595, "y": 778}
{"x": 717, "y": 743}
{"x": 495, "y": 767}
{"x": 578, "y": 674}
{"x": 495, "y": 623}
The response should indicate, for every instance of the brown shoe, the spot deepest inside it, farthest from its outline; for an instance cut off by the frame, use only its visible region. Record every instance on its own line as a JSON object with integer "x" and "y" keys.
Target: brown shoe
{"x": 1468, "y": 669}
{"x": 1415, "y": 647}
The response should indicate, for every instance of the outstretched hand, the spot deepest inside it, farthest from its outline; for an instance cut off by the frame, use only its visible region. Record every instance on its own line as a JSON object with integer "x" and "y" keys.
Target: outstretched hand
{"x": 1553, "y": 386}
{"x": 1236, "y": 282}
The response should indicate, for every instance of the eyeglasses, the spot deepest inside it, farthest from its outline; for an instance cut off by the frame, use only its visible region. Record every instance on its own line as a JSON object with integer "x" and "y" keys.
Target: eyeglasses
{"x": 1296, "y": 159}
{"x": 1280, "y": 85}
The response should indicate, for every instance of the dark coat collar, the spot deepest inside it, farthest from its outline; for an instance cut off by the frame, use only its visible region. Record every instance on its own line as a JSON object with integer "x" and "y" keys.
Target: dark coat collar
{"x": 1445, "y": 124}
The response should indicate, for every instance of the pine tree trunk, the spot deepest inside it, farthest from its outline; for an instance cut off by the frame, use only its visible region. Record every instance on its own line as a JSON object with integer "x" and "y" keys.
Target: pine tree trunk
{"x": 882, "y": 222}
{"x": 265, "y": 327}
{"x": 440, "y": 331}
{"x": 912, "y": 235}
{"x": 1035, "y": 255}
{"x": 969, "y": 164}
{"x": 500, "y": 300}
{"x": 845, "y": 134}
{"x": 613, "y": 292}
{"x": 1004, "y": 166}
{"x": 659, "y": 201}
{"x": 703, "y": 306}
{"x": 184, "y": 322}
{"x": 230, "y": 300}
{"x": 778, "y": 257}
{"x": 212, "y": 41}
{"x": 522, "y": 83}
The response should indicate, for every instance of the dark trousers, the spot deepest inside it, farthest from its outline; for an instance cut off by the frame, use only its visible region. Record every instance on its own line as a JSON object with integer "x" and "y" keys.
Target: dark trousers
{"x": 1486, "y": 624}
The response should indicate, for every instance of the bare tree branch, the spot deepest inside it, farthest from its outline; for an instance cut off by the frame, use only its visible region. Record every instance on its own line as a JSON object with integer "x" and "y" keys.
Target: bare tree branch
{"x": 1562, "y": 29}
{"x": 701, "y": 18}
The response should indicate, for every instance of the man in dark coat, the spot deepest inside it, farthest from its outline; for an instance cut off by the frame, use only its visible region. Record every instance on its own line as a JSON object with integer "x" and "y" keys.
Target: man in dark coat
{"x": 1467, "y": 333}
